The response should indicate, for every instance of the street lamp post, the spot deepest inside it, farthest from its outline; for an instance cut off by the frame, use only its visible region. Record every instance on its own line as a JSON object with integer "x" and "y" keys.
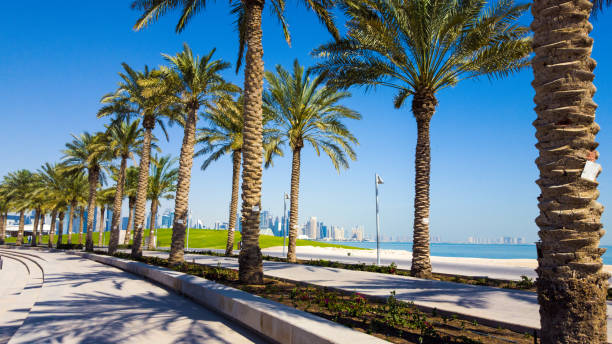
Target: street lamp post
{"x": 377, "y": 180}
{"x": 285, "y": 198}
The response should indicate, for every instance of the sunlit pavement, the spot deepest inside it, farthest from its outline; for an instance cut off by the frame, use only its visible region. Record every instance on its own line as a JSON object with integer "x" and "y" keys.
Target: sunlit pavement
{"x": 82, "y": 301}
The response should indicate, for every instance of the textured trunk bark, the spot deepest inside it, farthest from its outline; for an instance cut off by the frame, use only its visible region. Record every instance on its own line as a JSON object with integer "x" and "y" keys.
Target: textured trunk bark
{"x": 143, "y": 182}
{"x": 60, "y": 229}
{"x": 113, "y": 242}
{"x": 293, "y": 207}
{"x": 154, "y": 206}
{"x": 2, "y": 228}
{"x": 101, "y": 227}
{"x": 71, "y": 216}
{"x": 130, "y": 226}
{"x": 423, "y": 108}
{"x": 35, "y": 228}
{"x": 181, "y": 204}
{"x": 571, "y": 285}
{"x": 236, "y": 159}
{"x": 94, "y": 176}
{"x": 41, "y": 227}
{"x": 52, "y": 228}
{"x": 19, "y": 240}
{"x": 250, "y": 259}
{"x": 81, "y": 227}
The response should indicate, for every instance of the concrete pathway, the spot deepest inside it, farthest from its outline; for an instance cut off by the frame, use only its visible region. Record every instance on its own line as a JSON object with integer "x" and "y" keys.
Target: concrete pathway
{"x": 82, "y": 301}
{"x": 512, "y": 307}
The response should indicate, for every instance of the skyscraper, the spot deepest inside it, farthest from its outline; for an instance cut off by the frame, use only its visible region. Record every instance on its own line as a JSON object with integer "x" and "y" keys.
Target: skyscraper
{"x": 311, "y": 228}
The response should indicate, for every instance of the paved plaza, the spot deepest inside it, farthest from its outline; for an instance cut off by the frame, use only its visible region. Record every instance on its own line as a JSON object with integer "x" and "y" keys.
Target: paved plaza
{"x": 81, "y": 301}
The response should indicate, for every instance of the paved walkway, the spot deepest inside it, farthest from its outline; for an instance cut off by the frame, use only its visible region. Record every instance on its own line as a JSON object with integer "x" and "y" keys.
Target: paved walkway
{"x": 512, "y": 307}
{"x": 82, "y": 301}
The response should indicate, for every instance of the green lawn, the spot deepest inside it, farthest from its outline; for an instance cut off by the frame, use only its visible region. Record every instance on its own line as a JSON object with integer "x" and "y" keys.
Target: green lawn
{"x": 203, "y": 238}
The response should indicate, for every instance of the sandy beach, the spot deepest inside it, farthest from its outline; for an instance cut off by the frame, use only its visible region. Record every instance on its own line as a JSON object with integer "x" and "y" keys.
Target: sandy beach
{"x": 509, "y": 269}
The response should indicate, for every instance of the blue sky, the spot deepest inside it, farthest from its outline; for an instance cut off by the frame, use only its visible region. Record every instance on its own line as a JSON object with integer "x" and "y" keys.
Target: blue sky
{"x": 59, "y": 58}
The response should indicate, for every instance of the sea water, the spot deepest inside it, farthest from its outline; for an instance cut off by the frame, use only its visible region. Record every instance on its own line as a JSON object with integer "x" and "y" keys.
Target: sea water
{"x": 493, "y": 251}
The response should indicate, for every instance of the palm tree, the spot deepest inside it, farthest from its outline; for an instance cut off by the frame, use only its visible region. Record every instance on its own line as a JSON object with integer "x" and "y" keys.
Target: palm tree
{"x": 306, "y": 111}
{"x": 88, "y": 152}
{"x": 162, "y": 183}
{"x": 223, "y": 135}
{"x": 131, "y": 190}
{"x": 571, "y": 284}
{"x": 75, "y": 192}
{"x": 35, "y": 200}
{"x": 125, "y": 139}
{"x": 5, "y": 206}
{"x": 128, "y": 100}
{"x": 189, "y": 83}
{"x": 106, "y": 198}
{"x": 418, "y": 48}
{"x": 250, "y": 36}
{"x": 18, "y": 185}
{"x": 53, "y": 181}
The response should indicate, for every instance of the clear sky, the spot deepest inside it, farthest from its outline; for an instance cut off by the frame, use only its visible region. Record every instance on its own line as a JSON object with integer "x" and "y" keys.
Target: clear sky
{"x": 57, "y": 58}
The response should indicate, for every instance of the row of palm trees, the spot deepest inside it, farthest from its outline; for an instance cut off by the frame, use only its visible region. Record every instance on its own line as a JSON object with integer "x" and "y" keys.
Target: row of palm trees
{"x": 298, "y": 110}
{"x": 418, "y": 48}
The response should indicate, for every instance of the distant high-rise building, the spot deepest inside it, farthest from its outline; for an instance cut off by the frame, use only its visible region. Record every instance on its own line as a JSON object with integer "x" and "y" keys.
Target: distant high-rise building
{"x": 357, "y": 233}
{"x": 311, "y": 228}
{"x": 338, "y": 233}
{"x": 324, "y": 232}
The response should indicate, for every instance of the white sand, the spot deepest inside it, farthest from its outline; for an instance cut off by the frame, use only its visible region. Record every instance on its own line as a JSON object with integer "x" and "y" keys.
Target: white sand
{"x": 493, "y": 268}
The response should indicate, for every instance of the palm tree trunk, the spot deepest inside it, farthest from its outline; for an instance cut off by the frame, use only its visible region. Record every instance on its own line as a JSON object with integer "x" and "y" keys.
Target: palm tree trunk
{"x": 130, "y": 226}
{"x": 117, "y": 203}
{"x": 293, "y": 207}
{"x": 143, "y": 181}
{"x": 236, "y": 159}
{"x": 19, "y": 241}
{"x": 94, "y": 176}
{"x": 60, "y": 229}
{"x": 151, "y": 243}
{"x": 42, "y": 226}
{"x": 2, "y": 228}
{"x": 181, "y": 203}
{"x": 571, "y": 285}
{"x": 52, "y": 228}
{"x": 35, "y": 228}
{"x": 101, "y": 227}
{"x": 71, "y": 217}
{"x": 250, "y": 259}
{"x": 423, "y": 108}
{"x": 81, "y": 228}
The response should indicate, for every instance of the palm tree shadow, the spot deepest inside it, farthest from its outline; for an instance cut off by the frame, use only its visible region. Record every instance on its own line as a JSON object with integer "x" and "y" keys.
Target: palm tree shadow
{"x": 118, "y": 316}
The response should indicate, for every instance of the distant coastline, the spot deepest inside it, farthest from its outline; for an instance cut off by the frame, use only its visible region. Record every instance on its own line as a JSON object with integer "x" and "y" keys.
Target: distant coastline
{"x": 491, "y": 251}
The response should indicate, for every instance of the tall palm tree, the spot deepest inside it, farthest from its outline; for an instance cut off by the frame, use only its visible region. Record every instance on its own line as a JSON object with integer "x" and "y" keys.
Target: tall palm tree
{"x": 125, "y": 139}
{"x": 250, "y": 38}
{"x": 419, "y": 48}
{"x": 88, "y": 152}
{"x": 75, "y": 193}
{"x": 223, "y": 135}
{"x": 306, "y": 111}
{"x": 129, "y": 99}
{"x": 106, "y": 198}
{"x": 162, "y": 183}
{"x": 18, "y": 185}
{"x": 35, "y": 200}
{"x": 571, "y": 284}
{"x": 189, "y": 83}
{"x": 54, "y": 182}
{"x": 5, "y": 206}
{"x": 130, "y": 191}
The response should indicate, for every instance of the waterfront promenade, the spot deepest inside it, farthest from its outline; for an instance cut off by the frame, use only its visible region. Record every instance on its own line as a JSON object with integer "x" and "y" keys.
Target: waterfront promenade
{"x": 61, "y": 298}
{"x": 514, "y": 308}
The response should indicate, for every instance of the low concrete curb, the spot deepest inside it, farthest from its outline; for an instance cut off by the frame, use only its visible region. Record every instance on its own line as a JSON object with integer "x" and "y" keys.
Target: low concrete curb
{"x": 271, "y": 319}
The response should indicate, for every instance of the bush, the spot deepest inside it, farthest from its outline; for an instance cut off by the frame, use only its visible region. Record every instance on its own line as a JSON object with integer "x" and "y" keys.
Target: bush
{"x": 70, "y": 246}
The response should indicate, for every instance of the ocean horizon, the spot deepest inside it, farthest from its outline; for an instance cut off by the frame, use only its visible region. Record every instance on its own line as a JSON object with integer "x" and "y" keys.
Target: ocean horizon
{"x": 491, "y": 251}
